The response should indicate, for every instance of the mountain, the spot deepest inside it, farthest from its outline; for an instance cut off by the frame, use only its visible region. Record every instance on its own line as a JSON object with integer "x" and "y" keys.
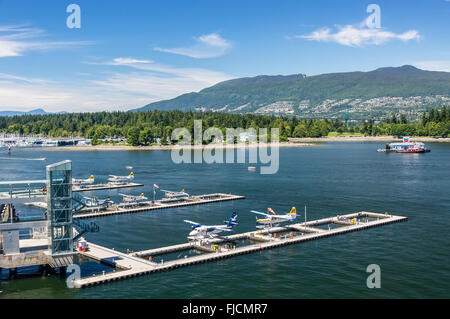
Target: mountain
{"x": 377, "y": 94}
{"x": 32, "y": 112}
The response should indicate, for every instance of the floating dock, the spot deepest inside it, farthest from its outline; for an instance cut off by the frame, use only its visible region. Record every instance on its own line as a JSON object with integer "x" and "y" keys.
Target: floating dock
{"x": 139, "y": 263}
{"x": 131, "y": 208}
{"x": 159, "y": 204}
{"x": 96, "y": 187}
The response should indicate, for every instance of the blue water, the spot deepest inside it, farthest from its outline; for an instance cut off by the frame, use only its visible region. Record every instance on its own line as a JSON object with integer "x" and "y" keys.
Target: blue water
{"x": 331, "y": 179}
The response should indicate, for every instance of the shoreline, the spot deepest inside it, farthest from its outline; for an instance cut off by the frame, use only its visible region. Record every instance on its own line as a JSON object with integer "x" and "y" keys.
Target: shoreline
{"x": 367, "y": 139}
{"x": 293, "y": 142}
{"x": 171, "y": 147}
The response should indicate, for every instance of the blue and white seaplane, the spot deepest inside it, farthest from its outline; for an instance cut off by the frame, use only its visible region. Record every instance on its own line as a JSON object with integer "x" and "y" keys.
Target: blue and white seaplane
{"x": 118, "y": 179}
{"x": 200, "y": 231}
{"x": 272, "y": 219}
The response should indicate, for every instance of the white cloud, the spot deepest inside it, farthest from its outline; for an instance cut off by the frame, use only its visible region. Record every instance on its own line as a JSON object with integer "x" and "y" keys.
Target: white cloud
{"x": 201, "y": 78}
{"x": 207, "y": 46}
{"x": 87, "y": 96}
{"x": 119, "y": 89}
{"x": 436, "y": 65}
{"x": 129, "y": 61}
{"x": 357, "y": 36}
{"x": 153, "y": 82}
{"x": 16, "y": 40}
{"x": 5, "y": 76}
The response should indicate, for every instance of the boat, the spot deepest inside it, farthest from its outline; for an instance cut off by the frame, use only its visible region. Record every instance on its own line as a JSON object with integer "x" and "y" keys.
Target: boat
{"x": 405, "y": 147}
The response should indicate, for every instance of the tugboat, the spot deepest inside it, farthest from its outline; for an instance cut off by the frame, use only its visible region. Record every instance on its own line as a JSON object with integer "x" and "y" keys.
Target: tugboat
{"x": 405, "y": 147}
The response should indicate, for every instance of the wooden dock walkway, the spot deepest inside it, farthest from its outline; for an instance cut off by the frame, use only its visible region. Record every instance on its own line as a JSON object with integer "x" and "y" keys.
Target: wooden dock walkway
{"x": 133, "y": 265}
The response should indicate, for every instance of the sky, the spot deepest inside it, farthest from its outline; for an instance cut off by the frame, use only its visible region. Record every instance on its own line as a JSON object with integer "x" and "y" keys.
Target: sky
{"x": 120, "y": 55}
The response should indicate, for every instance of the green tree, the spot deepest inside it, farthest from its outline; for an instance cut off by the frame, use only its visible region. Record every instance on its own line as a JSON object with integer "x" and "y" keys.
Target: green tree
{"x": 133, "y": 136}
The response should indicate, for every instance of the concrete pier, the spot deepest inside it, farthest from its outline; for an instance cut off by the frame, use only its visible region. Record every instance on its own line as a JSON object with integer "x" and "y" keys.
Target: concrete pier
{"x": 132, "y": 265}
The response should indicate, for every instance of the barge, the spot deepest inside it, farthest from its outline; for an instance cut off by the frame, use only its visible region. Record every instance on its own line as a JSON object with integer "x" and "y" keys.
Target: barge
{"x": 405, "y": 147}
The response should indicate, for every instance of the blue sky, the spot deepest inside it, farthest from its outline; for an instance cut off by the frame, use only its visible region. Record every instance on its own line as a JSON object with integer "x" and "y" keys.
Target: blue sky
{"x": 130, "y": 53}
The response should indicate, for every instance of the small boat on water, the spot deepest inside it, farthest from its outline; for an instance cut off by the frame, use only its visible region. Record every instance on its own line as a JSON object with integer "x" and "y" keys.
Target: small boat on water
{"x": 405, "y": 147}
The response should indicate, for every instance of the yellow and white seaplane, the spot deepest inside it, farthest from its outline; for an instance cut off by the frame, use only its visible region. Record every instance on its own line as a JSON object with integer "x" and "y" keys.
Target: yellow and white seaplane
{"x": 133, "y": 198}
{"x": 89, "y": 180}
{"x": 118, "y": 179}
{"x": 272, "y": 219}
{"x": 172, "y": 194}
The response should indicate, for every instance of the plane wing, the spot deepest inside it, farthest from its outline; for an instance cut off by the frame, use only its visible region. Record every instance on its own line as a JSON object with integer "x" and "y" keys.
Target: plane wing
{"x": 173, "y": 193}
{"x": 218, "y": 228}
{"x": 193, "y": 223}
{"x": 259, "y": 213}
{"x": 282, "y": 217}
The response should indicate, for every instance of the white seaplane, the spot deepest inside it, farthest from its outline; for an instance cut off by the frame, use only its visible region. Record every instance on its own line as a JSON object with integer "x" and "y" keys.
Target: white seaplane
{"x": 270, "y": 219}
{"x": 133, "y": 198}
{"x": 116, "y": 179}
{"x": 86, "y": 181}
{"x": 95, "y": 202}
{"x": 200, "y": 231}
{"x": 171, "y": 194}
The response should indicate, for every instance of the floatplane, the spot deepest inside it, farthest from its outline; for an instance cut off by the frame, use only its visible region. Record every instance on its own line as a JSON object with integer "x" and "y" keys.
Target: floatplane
{"x": 91, "y": 202}
{"x": 200, "y": 231}
{"x": 272, "y": 219}
{"x": 95, "y": 202}
{"x": 133, "y": 198}
{"x": 86, "y": 181}
{"x": 118, "y": 179}
{"x": 171, "y": 194}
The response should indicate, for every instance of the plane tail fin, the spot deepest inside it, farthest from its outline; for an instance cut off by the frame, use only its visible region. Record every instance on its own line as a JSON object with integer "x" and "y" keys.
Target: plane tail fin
{"x": 233, "y": 221}
{"x": 293, "y": 212}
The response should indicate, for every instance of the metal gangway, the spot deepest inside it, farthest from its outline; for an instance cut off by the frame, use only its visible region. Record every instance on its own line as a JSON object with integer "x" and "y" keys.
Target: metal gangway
{"x": 78, "y": 203}
{"x": 22, "y": 189}
{"x": 8, "y": 212}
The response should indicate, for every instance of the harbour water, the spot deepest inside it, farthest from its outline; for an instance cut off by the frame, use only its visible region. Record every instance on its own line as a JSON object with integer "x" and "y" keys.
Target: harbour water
{"x": 331, "y": 179}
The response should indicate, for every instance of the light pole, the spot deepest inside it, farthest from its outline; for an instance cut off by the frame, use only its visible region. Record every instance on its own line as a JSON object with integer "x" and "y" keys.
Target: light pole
{"x": 305, "y": 214}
